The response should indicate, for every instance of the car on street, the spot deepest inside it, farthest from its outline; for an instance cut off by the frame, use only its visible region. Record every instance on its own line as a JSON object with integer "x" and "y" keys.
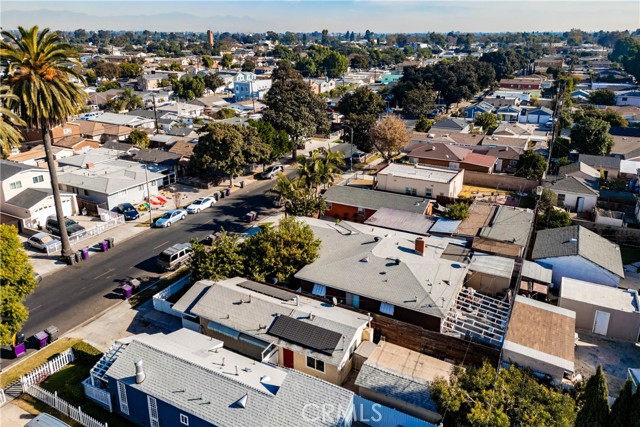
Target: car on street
{"x": 201, "y": 204}
{"x": 359, "y": 157}
{"x": 272, "y": 171}
{"x": 175, "y": 256}
{"x": 73, "y": 228}
{"x": 170, "y": 217}
{"x": 128, "y": 211}
{"x": 43, "y": 242}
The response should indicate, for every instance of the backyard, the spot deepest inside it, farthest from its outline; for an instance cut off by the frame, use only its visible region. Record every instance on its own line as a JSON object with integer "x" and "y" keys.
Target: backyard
{"x": 630, "y": 254}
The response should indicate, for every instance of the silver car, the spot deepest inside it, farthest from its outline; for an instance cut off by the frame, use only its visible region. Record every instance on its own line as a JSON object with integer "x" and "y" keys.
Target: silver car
{"x": 200, "y": 204}
{"x": 43, "y": 242}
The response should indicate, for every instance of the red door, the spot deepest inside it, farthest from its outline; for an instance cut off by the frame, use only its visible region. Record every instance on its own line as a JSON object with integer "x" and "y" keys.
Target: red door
{"x": 288, "y": 358}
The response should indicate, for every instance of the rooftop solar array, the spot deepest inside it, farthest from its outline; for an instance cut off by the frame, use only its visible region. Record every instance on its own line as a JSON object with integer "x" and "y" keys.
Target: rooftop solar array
{"x": 305, "y": 334}
{"x": 267, "y": 290}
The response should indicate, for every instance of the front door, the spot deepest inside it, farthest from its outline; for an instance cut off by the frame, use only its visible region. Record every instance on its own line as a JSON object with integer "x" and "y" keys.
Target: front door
{"x": 580, "y": 205}
{"x": 288, "y": 358}
{"x": 601, "y": 322}
{"x": 499, "y": 165}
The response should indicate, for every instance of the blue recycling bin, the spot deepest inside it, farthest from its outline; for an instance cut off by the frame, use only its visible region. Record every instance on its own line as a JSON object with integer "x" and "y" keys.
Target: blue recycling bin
{"x": 126, "y": 291}
{"x": 42, "y": 339}
{"x": 104, "y": 246}
{"x": 85, "y": 253}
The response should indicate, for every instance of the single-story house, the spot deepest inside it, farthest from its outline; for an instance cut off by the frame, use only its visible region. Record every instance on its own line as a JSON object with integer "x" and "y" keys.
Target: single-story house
{"x": 610, "y": 166}
{"x": 270, "y": 324}
{"x": 394, "y": 219}
{"x": 413, "y": 180}
{"x": 603, "y": 310}
{"x": 509, "y": 113}
{"x": 628, "y": 98}
{"x": 90, "y": 130}
{"x": 507, "y": 157}
{"x": 115, "y": 119}
{"x": 76, "y": 143}
{"x": 471, "y": 111}
{"x": 580, "y": 170}
{"x": 626, "y": 142}
{"x": 575, "y": 194}
{"x": 453, "y": 124}
{"x": 451, "y": 156}
{"x": 522, "y": 83}
{"x": 538, "y": 115}
{"x": 578, "y": 253}
{"x": 540, "y": 337}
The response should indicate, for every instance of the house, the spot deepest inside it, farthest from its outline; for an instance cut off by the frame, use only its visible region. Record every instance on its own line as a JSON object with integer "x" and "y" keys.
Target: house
{"x": 540, "y": 337}
{"x": 575, "y": 194}
{"x": 182, "y": 109}
{"x": 36, "y": 156}
{"x": 164, "y": 161}
{"x": 102, "y": 98}
{"x": 610, "y": 166}
{"x": 319, "y": 86}
{"x": 151, "y": 81}
{"x": 395, "y": 219}
{"x": 354, "y": 203}
{"x": 580, "y": 170}
{"x": 471, "y": 111}
{"x": 90, "y": 129}
{"x": 626, "y": 142}
{"x": 538, "y": 115}
{"x": 111, "y": 182}
{"x": 269, "y": 324}
{"x": 76, "y": 143}
{"x": 451, "y": 156}
{"x": 115, "y": 119}
{"x": 467, "y": 140}
{"x": 628, "y": 98}
{"x": 400, "y": 378}
{"x": 184, "y": 378}
{"x": 502, "y": 102}
{"x": 507, "y": 157}
{"x": 183, "y": 148}
{"x": 522, "y": 83}
{"x": 523, "y": 96}
{"x": 514, "y": 130}
{"x": 506, "y": 232}
{"x": 26, "y": 194}
{"x": 420, "y": 180}
{"x": 252, "y": 89}
{"x": 603, "y": 310}
{"x": 578, "y": 253}
{"x": 452, "y": 124}
{"x": 521, "y": 144}
{"x": 399, "y": 275}
{"x": 509, "y": 114}
{"x": 116, "y": 133}
{"x": 628, "y": 112}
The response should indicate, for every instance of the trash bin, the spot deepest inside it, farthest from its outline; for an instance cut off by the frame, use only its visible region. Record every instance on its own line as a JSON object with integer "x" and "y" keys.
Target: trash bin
{"x": 110, "y": 242}
{"x": 104, "y": 246}
{"x": 216, "y": 196}
{"x": 135, "y": 285}
{"x": 42, "y": 339}
{"x": 85, "y": 253}
{"x": 52, "y": 331}
{"x": 70, "y": 259}
{"x": 227, "y": 192}
{"x": 78, "y": 256}
{"x": 242, "y": 184}
{"x": 20, "y": 350}
{"x": 126, "y": 291}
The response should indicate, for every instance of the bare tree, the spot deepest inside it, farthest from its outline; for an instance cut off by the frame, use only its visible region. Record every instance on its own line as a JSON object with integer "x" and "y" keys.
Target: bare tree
{"x": 389, "y": 136}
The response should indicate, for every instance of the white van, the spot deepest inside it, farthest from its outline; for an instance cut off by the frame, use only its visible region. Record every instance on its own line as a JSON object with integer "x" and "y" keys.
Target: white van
{"x": 46, "y": 420}
{"x": 91, "y": 115}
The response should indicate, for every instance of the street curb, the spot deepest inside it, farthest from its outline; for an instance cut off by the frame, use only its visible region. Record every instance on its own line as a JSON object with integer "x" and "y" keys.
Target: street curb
{"x": 94, "y": 317}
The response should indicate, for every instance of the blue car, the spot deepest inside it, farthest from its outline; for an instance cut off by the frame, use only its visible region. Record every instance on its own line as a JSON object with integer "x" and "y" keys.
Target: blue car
{"x": 128, "y": 211}
{"x": 170, "y": 217}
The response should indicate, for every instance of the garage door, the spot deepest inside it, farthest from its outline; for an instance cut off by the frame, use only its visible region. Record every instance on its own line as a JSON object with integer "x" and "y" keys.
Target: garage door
{"x": 48, "y": 208}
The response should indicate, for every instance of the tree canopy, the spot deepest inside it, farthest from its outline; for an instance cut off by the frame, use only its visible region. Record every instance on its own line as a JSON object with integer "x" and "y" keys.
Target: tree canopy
{"x": 531, "y": 165}
{"x": 188, "y": 87}
{"x": 389, "y": 136}
{"x": 419, "y": 102}
{"x": 131, "y": 69}
{"x": 18, "y": 281}
{"x": 595, "y": 405}
{"x": 278, "y": 140}
{"x": 222, "y": 260}
{"x": 602, "y": 97}
{"x": 361, "y": 108}
{"x": 139, "y": 138}
{"x": 487, "y": 121}
{"x": 457, "y": 211}
{"x": 591, "y": 136}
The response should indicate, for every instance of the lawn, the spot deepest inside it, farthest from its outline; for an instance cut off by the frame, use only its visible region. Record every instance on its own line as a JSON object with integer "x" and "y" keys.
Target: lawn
{"x": 630, "y": 254}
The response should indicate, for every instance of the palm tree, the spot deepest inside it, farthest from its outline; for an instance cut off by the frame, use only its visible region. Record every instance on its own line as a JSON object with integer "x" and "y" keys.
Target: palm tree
{"x": 130, "y": 101}
{"x": 40, "y": 66}
{"x": 331, "y": 166}
{"x": 284, "y": 190}
{"x": 10, "y": 137}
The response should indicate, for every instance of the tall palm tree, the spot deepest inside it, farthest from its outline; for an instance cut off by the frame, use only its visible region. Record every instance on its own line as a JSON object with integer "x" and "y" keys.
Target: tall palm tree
{"x": 10, "y": 137}
{"x": 40, "y": 65}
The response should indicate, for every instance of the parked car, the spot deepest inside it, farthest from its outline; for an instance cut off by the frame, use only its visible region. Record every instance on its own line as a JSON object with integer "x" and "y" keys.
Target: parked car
{"x": 359, "y": 157}
{"x": 175, "y": 256}
{"x": 272, "y": 171}
{"x": 43, "y": 241}
{"x": 73, "y": 228}
{"x": 200, "y": 204}
{"x": 128, "y": 211}
{"x": 170, "y": 217}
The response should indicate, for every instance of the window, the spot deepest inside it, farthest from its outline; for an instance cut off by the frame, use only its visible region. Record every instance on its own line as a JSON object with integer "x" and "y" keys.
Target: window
{"x": 15, "y": 185}
{"x": 122, "y": 396}
{"x": 360, "y": 211}
{"x": 316, "y": 364}
{"x": 319, "y": 290}
{"x": 561, "y": 199}
{"x": 410, "y": 191}
{"x": 454, "y": 165}
{"x": 184, "y": 419}
{"x": 329, "y": 206}
{"x": 37, "y": 179}
{"x": 386, "y": 308}
{"x": 428, "y": 192}
{"x": 154, "y": 420}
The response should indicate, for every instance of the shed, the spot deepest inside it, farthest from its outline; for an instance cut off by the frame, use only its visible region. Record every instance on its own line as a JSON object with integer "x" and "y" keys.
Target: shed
{"x": 490, "y": 274}
{"x": 603, "y": 310}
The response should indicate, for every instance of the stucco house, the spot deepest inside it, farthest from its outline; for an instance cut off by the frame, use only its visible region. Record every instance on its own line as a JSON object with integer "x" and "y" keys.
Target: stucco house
{"x": 418, "y": 180}
{"x": 574, "y": 193}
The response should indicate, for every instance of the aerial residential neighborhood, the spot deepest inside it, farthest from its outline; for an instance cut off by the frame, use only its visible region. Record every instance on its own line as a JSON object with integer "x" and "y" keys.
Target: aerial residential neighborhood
{"x": 371, "y": 214}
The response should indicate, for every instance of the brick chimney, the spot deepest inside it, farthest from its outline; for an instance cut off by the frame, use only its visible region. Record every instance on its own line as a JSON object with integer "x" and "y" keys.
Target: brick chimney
{"x": 89, "y": 165}
{"x": 420, "y": 246}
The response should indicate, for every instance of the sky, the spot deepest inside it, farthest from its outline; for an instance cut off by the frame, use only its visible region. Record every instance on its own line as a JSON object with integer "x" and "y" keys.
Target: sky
{"x": 337, "y": 16}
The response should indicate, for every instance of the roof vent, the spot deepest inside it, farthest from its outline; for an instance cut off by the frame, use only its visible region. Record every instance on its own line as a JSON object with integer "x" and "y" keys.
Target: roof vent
{"x": 398, "y": 261}
{"x": 377, "y": 238}
{"x": 265, "y": 379}
{"x": 140, "y": 376}
{"x": 242, "y": 402}
{"x": 573, "y": 240}
{"x": 365, "y": 259}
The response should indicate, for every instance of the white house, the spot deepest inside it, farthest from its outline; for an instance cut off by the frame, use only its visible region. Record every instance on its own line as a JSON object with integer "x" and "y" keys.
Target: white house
{"x": 420, "y": 180}
{"x": 573, "y": 193}
{"x": 253, "y": 89}
{"x": 628, "y": 98}
{"x": 580, "y": 254}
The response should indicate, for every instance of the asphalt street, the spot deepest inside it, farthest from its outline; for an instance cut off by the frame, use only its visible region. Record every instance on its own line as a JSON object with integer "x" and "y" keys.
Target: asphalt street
{"x": 77, "y": 293}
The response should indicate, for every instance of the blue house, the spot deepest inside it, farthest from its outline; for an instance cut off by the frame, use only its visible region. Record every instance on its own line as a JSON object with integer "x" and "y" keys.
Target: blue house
{"x": 188, "y": 379}
{"x": 538, "y": 115}
{"x": 481, "y": 107}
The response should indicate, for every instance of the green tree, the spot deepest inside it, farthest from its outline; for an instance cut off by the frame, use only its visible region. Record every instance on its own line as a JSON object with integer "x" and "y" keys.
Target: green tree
{"x": 130, "y": 100}
{"x": 228, "y": 149}
{"x": 418, "y": 102}
{"x": 278, "y": 140}
{"x": 131, "y": 69}
{"x": 279, "y": 252}
{"x": 622, "y": 408}
{"x": 335, "y": 64}
{"x": 10, "y": 136}
{"x": 478, "y": 397}
{"x": 591, "y": 136}
{"x": 248, "y": 65}
{"x": 296, "y": 110}
{"x": 213, "y": 81}
{"x": 424, "y": 124}
{"x": 488, "y": 121}
{"x": 107, "y": 70}
{"x": 610, "y": 116}
{"x": 39, "y": 68}
{"x": 188, "y": 87}
{"x": 553, "y": 218}
{"x": 457, "y": 211}
{"x": 224, "y": 113}
{"x": 139, "y": 138}
{"x": 389, "y": 136}
{"x": 531, "y": 165}
{"x": 223, "y": 260}
{"x": 595, "y": 407}
{"x": 207, "y": 61}
{"x": 361, "y": 109}
{"x": 18, "y": 281}
{"x": 320, "y": 168}
{"x": 109, "y": 85}
{"x": 227, "y": 60}
{"x": 602, "y": 97}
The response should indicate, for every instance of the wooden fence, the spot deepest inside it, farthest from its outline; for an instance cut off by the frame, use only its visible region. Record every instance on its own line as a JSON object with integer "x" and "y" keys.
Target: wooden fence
{"x": 62, "y": 406}
{"x": 42, "y": 372}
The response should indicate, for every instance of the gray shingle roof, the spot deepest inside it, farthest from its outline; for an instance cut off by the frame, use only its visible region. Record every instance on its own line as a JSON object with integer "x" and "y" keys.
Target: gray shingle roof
{"x": 9, "y": 168}
{"x": 571, "y": 184}
{"x": 373, "y": 199}
{"x": 600, "y": 161}
{"x": 183, "y": 373}
{"x": 509, "y": 225}
{"x": 577, "y": 240}
{"x": 450, "y": 123}
{"x": 29, "y": 197}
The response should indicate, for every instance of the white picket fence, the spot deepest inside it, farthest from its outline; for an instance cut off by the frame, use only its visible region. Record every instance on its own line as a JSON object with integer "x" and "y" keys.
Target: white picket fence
{"x": 3, "y": 398}
{"x": 62, "y": 406}
{"x": 114, "y": 221}
{"x": 43, "y": 371}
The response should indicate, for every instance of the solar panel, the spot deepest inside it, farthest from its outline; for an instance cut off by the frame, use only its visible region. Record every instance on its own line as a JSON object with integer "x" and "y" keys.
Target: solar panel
{"x": 305, "y": 334}
{"x": 267, "y": 290}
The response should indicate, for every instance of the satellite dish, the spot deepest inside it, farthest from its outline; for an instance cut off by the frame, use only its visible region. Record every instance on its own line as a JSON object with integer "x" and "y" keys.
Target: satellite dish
{"x": 335, "y": 301}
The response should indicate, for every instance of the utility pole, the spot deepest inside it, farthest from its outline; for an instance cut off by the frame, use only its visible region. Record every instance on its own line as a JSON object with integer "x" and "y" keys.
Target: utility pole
{"x": 155, "y": 112}
{"x": 351, "y": 147}
{"x": 146, "y": 177}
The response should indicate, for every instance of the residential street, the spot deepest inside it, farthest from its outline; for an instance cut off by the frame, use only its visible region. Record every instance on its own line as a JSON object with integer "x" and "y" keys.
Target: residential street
{"x": 77, "y": 293}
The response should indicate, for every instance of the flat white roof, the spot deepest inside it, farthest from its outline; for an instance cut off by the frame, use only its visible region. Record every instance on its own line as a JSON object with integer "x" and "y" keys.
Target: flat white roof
{"x": 604, "y": 296}
{"x": 426, "y": 173}
{"x": 492, "y": 265}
